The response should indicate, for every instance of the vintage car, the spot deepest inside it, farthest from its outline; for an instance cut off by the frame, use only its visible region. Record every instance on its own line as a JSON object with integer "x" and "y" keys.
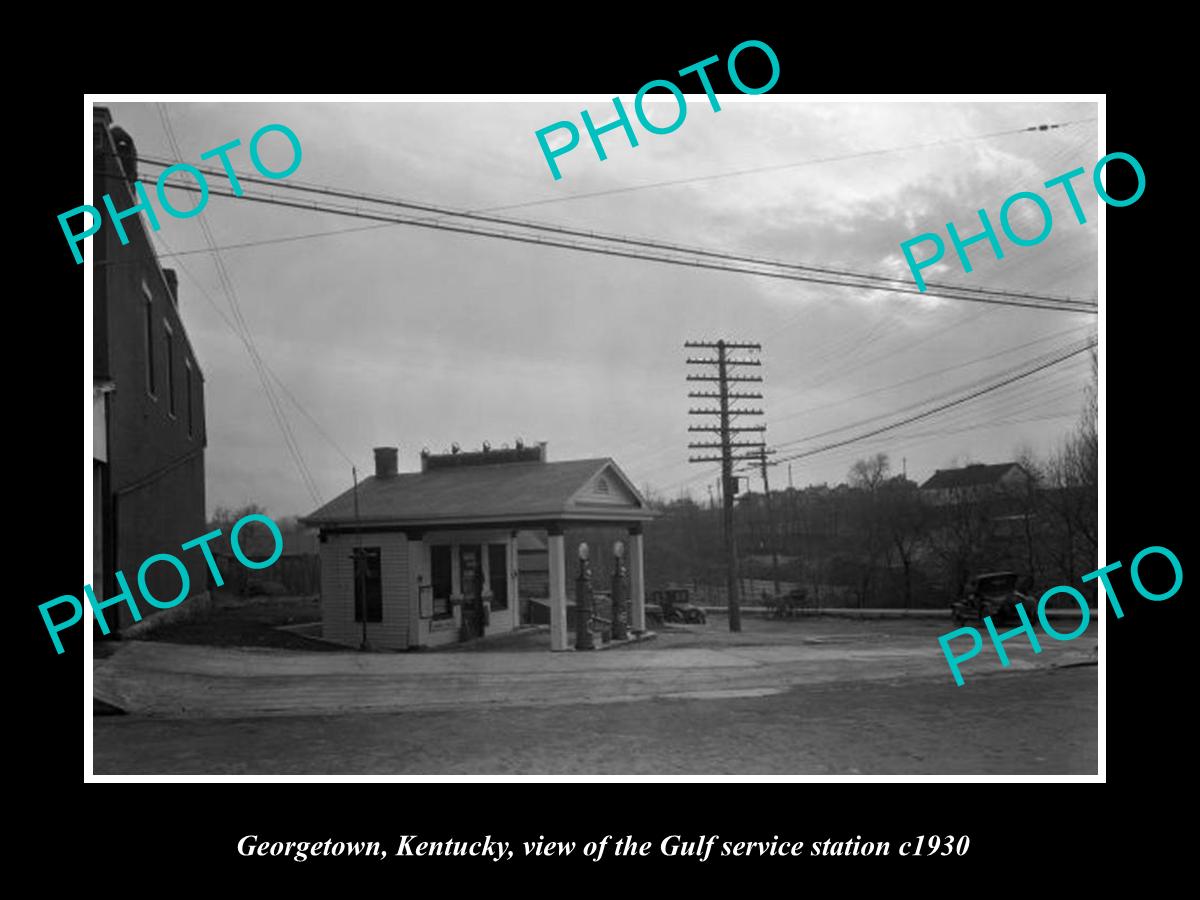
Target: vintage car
{"x": 786, "y": 606}
{"x": 993, "y": 594}
{"x": 674, "y": 605}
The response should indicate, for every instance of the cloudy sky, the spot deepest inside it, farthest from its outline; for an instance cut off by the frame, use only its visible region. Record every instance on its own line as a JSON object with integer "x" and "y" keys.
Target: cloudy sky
{"x": 412, "y": 337}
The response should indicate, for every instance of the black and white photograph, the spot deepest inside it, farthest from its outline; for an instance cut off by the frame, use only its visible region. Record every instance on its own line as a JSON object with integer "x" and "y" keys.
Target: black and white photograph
{"x": 675, "y": 435}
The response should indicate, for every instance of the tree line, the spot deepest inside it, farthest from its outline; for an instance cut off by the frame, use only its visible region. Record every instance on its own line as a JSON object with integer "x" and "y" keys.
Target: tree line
{"x": 877, "y": 540}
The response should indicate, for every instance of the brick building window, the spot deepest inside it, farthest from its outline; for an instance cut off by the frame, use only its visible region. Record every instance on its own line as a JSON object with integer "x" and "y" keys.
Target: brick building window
{"x": 187, "y": 386}
{"x": 169, "y": 343}
{"x": 368, "y": 584}
{"x": 151, "y": 387}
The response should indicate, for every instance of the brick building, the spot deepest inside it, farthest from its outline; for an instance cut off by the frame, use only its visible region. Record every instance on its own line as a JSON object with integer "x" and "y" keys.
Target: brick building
{"x": 147, "y": 400}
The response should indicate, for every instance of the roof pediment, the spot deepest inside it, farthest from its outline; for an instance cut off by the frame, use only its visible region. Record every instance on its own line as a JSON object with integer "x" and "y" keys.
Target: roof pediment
{"x": 608, "y": 489}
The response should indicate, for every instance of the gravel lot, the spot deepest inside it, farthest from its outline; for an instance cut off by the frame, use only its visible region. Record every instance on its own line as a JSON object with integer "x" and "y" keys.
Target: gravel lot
{"x": 1030, "y": 721}
{"x": 1021, "y": 723}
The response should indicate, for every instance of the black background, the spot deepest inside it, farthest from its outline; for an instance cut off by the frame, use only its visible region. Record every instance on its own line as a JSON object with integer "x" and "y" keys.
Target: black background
{"x": 150, "y": 836}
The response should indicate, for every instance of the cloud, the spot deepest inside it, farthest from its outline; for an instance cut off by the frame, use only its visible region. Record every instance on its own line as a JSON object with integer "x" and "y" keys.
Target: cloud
{"x": 414, "y": 337}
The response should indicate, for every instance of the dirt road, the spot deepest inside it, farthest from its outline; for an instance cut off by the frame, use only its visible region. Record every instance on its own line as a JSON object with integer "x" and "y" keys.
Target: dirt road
{"x": 1009, "y": 723}
{"x": 792, "y": 697}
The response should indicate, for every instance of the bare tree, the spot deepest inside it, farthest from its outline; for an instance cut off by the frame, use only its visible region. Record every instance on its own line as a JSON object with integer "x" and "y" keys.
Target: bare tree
{"x": 1071, "y": 488}
{"x": 963, "y": 531}
{"x": 1029, "y": 500}
{"x": 868, "y": 474}
{"x": 906, "y": 521}
{"x": 866, "y": 478}
{"x": 224, "y": 516}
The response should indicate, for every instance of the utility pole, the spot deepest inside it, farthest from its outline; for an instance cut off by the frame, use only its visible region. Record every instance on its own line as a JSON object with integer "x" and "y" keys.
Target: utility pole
{"x": 771, "y": 523}
{"x": 731, "y": 449}
{"x": 360, "y": 563}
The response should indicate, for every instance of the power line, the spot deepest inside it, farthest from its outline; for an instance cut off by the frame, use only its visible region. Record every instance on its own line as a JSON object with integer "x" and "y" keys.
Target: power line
{"x": 873, "y": 281}
{"x": 560, "y": 198}
{"x": 974, "y": 417}
{"x": 792, "y": 165}
{"x": 921, "y": 438}
{"x": 226, "y": 283}
{"x": 1013, "y": 298}
{"x": 896, "y": 384}
{"x": 1051, "y": 395}
{"x": 1043, "y": 396}
{"x": 279, "y": 381}
{"x": 909, "y": 441}
{"x": 627, "y": 240}
{"x": 936, "y": 409}
{"x": 853, "y": 344}
{"x": 949, "y": 393}
{"x": 833, "y": 372}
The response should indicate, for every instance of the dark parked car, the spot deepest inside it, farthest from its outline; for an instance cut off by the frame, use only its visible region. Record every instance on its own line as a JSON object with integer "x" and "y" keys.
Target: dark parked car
{"x": 674, "y": 605}
{"x": 787, "y": 605}
{"x": 994, "y": 594}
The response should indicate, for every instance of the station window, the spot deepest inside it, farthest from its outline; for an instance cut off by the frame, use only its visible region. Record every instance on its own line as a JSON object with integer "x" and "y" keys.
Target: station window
{"x": 439, "y": 571}
{"x": 368, "y": 585}
{"x": 498, "y": 574}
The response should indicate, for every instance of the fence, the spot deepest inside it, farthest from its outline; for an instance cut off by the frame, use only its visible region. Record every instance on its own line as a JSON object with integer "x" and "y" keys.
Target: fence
{"x": 293, "y": 573}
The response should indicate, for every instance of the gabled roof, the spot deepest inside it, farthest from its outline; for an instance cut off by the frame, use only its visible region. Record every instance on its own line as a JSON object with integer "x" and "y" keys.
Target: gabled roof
{"x": 976, "y": 475}
{"x": 529, "y": 542}
{"x": 580, "y": 489}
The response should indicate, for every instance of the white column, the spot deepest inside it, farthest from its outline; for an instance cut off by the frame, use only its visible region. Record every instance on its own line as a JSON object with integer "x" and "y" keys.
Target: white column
{"x": 637, "y": 583}
{"x": 417, "y": 575}
{"x": 514, "y": 587}
{"x": 456, "y": 587}
{"x": 485, "y": 591}
{"x": 558, "y": 594}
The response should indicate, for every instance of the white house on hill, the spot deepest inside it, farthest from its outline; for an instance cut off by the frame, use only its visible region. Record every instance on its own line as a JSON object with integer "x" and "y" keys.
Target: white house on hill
{"x": 974, "y": 482}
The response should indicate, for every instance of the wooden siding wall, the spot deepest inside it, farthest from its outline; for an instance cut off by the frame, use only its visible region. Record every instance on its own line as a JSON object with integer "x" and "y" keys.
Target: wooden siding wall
{"x": 401, "y": 561}
{"x": 337, "y": 590}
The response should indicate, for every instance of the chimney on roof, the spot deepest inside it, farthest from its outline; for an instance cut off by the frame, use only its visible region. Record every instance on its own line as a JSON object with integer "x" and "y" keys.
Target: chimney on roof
{"x": 126, "y": 152}
{"x": 385, "y": 462}
{"x": 101, "y": 120}
{"x": 173, "y": 284}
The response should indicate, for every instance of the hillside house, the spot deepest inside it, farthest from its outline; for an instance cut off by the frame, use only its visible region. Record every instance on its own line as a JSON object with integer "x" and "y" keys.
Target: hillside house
{"x": 975, "y": 482}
